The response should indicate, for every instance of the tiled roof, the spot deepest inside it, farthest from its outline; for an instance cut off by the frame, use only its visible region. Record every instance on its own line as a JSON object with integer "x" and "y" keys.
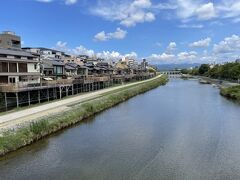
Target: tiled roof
{"x": 15, "y": 52}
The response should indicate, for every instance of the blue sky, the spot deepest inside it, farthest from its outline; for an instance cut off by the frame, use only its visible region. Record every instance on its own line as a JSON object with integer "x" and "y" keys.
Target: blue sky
{"x": 163, "y": 31}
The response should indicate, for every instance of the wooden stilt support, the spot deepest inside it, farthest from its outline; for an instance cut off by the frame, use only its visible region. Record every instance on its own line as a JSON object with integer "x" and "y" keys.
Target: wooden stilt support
{"x": 60, "y": 92}
{"x": 72, "y": 89}
{"x": 55, "y": 93}
{"x": 17, "y": 100}
{"x": 29, "y": 98}
{"x": 39, "y": 96}
{"x": 6, "y": 103}
{"x": 48, "y": 93}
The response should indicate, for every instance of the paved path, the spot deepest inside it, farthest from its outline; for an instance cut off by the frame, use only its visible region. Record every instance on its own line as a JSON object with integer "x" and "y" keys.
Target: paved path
{"x": 31, "y": 114}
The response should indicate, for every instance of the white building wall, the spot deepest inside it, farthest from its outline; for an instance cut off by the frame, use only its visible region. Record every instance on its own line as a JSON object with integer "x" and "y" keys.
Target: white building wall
{"x": 31, "y": 67}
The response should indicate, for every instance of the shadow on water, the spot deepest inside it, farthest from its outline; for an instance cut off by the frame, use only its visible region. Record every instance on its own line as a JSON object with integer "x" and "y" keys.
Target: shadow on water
{"x": 43, "y": 143}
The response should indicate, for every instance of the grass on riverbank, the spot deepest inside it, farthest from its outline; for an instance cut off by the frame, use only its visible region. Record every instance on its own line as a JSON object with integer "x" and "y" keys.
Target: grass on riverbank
{"x": 231, "y": 93}
{"x": 15, "y": 139}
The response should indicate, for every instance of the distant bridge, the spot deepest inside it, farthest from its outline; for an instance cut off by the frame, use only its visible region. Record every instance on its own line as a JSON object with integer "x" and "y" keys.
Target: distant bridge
{"x": 172, "y": 73}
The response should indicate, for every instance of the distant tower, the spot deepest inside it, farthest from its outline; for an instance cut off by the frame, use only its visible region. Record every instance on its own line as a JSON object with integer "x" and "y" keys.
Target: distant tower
{"x": 9, "y": 40}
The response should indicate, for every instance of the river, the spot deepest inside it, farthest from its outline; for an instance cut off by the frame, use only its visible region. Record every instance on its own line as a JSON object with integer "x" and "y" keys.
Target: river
{"x": 183, "y": 130}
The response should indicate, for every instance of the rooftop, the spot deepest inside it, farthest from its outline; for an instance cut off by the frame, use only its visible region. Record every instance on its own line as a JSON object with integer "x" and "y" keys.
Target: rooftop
{"x": 15, "y": 52}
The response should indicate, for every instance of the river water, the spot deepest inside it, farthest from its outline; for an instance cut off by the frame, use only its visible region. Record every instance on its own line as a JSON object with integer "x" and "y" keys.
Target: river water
{"x": 183, "y": 130}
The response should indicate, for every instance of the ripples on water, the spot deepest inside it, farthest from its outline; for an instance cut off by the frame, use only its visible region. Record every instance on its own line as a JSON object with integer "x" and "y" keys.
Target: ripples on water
{"x": 183, "y": 130}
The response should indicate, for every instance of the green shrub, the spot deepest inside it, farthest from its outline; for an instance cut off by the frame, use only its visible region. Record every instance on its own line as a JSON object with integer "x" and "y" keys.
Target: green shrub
{"x": 231, "y": 93}
{"x": 12, "y": 140}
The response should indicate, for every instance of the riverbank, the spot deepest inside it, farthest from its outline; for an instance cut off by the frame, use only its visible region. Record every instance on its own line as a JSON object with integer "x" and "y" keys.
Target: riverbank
{"x": 218, "y": 82}
{"x": 12, "y": 140}
{"x": 232, "y": 93}
{"x": 228, "y": 89}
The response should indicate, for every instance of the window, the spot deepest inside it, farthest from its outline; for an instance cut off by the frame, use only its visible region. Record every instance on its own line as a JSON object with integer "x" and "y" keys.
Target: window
{"x": 12, "y": 67}
{"x": 3, "y": 79}
{"x": 3, "y": 67}
{"x": 12, "y": 79}
{"x": 15, "y": 43}
{"x": 3, "y": 55}
{"x": 59, "y": 70}
{"x": 22, "y": 67}
{"x": 23, "y": 78}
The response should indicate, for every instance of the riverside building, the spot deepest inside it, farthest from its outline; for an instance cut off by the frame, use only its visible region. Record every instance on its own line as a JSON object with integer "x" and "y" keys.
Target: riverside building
{"x": 34, "y": 75}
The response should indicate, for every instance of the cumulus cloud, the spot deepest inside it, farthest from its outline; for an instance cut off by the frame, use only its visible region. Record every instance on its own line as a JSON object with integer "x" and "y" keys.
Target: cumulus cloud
{"x": 230, "y": 9}
{"x": 127, "y": 13}
{"x": 206, "y": 11}
{"x": 187, "y": 9}
{"x": 228, "y": 45}
{"x": 201, "y": 43}
{"x": 172, "y": 58}
{"x": 171, "y": 47}
{"x": 161, "y": 57}
{"x": 187, "y": 55}
{"x": 118, "y": 34}
{"x": 81, "y": 50}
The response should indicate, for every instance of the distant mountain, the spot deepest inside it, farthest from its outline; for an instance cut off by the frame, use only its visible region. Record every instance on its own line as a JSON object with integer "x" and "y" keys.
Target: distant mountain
{"x": 164, "y": 67}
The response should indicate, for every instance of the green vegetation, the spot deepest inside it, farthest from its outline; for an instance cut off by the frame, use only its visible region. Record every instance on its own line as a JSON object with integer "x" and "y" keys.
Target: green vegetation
{"x": 227, "y": 71}
{"x": 203, "y": 69}
{"x": 231, "y": 93}
{"x": 15, "y": 139}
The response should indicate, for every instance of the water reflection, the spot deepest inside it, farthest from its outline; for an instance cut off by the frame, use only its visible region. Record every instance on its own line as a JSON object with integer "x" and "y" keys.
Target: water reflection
{"x": 183, "y": 130}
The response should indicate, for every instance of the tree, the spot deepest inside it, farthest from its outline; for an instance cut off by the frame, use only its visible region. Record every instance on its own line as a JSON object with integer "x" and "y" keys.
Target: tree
{"x": 204, "y": 68}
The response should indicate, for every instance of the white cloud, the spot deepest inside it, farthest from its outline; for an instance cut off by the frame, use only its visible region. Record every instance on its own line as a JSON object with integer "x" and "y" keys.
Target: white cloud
{"x": 206, "y": 11}
{"x": 171, "y": 47}
{"x": 230, "y": 8}
{"x": 187, "y": 55}
{"x": 161, "y": 57}
{"x": 228, "y": 45}
{"x": 191, "y": 10}
{"x": 81, "y": 50}
{"x": 101, "y": 36}
{"x": 194, "y": 26}
{"x": 127, "y": 13}
{"x": 70, "y": 2}
{"x": 201, "y": 43}
{"x": 114, "y": 55}
{"x": 118, "y": 34}
{"x": 61, "y": 44}
{"x": 187, "y": 9}
{"x": 172, "y": 58}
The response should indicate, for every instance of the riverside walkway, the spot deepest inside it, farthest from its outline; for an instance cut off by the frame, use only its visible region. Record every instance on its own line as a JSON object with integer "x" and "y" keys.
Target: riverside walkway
{"x": 18, "y": 118}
